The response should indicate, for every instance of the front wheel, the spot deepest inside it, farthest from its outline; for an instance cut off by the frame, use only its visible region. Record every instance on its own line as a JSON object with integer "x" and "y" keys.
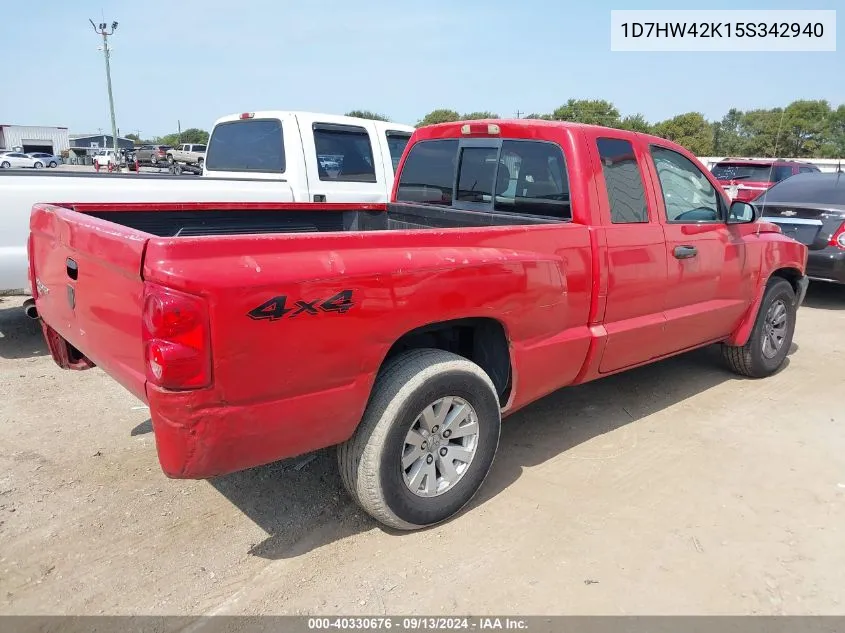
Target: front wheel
{"x": 770, "y": 339}
{"x": 5, "y": 164}
{"x": 426, "y": 441}
{"x": 38, "y": 165}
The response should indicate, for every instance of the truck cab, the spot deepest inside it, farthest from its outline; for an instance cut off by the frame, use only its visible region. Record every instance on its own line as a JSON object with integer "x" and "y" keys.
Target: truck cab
{"x": 319, "y": 157}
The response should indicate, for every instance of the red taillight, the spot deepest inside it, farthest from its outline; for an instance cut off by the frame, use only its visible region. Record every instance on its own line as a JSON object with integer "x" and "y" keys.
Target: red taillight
{"x": 247, "y": 115}
{"x": 838, "y": 238}
{"x": 177, "y": 345}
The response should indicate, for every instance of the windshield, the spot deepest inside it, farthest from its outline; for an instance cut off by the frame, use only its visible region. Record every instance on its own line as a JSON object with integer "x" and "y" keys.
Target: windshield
{"x": 255, "y": 145}
{"x": 745, "y": 171}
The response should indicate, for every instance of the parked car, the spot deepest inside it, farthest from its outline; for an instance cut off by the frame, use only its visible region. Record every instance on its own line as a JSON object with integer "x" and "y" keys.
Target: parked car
{"x": 248, "y": 178}
{"x": 745, "y": 179}
{"x": 105, "y": 157}
{"x": 515, "y": 258}
{"x": 152, "y": 154}
{"x": 811, "y": 209}
{"x": 48, "y": 160}
{"x": 18, "y": 159}
{"x": 189, "y": 153}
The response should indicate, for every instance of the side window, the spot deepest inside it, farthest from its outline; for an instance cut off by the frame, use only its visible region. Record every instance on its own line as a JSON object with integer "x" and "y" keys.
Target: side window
{"x": 429, "y": 173}
{"x": 396, "y": 142}
{"x": 625, "y": 191}
{"x": 531, "y": 180}
{"x": 806, "y": 170}
{"x": 344, "y": 153}
{"x": 687, "y": 194}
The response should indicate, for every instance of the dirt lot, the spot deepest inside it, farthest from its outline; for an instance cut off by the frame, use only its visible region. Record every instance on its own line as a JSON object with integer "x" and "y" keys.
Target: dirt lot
{"x": 676, "y": 488}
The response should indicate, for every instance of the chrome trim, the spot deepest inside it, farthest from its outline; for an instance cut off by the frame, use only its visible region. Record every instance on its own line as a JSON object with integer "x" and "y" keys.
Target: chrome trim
{"x": 780, "y": 220}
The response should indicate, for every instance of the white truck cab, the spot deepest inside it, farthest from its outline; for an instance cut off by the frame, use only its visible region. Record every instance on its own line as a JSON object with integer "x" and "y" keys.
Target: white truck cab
{"x": 316, "y": 157}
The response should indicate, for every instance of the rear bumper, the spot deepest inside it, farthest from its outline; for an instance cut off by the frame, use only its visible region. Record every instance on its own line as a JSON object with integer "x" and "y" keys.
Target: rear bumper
{"x": 197, "y": 438}
{"x": 827, "y": 264}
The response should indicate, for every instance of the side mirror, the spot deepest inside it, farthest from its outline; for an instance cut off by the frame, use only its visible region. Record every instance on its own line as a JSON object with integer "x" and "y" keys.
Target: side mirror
{"x": 742, "y": 213}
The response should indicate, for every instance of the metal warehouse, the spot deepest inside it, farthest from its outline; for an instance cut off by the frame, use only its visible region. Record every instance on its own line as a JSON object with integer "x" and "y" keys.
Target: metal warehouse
{"x": 33, "y": 138}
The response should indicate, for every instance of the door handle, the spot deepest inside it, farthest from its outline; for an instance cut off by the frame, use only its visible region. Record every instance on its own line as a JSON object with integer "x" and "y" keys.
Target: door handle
{"x": 685, "y": 252}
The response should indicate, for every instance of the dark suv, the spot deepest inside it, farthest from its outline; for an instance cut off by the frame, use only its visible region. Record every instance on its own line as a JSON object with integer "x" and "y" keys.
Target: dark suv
{"x": 745, "y": 179}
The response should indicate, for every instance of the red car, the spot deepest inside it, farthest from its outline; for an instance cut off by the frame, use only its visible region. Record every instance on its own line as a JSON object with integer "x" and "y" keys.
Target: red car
{"x": 516, "y": 258}
{"x": 745, "y": 179}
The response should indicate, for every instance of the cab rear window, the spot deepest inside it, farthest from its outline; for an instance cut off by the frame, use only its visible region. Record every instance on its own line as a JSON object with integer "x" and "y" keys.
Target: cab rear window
{"x": 251, "y": 145}
{"x": 754, "y": 173}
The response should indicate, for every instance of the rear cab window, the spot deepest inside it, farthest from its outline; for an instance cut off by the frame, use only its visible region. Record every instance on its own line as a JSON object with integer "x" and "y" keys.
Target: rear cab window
{"x": 249, "y": 145}
{"x": 751, "y": 172}
{"x": 511, "y": 176}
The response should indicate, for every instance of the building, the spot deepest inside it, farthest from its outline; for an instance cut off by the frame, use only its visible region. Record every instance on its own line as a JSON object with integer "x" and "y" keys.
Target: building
{"x": 88, "y": 144}
{"x": 33, "y": 138}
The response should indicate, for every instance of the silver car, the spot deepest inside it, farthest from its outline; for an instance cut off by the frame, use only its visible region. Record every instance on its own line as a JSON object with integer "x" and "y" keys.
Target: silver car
{"x": 17, "y": 159}
{"x": 49, "y": 160}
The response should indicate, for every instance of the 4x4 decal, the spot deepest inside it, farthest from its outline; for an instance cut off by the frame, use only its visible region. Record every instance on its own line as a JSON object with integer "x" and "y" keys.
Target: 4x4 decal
{"x": 277, "y": 307}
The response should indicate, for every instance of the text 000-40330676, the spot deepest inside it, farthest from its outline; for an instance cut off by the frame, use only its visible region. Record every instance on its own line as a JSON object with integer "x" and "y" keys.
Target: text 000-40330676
{"x": 721, "y": 31}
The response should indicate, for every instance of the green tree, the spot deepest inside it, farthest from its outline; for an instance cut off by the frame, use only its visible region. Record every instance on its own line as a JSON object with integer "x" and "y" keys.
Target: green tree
{"x": 837, "y": 132}
{"x": 441, "y": 115}
{"x": 726, "y": 134}
{"x": 806, "y": 129}
{"x": 191, "y": 135}
{"x": 539, "y": 117}
{"x": 473, "y": 116}
{"x": 690, "y": 130}
{"x": 758, "y": 132}
{"x": 367, "y": 114}
{"x": 591, "y": 111}
{"x": 635, "y": 123}
{"x": 134, "y": 137}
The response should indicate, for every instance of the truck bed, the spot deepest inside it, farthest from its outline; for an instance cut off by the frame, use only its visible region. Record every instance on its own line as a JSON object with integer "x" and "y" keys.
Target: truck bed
{"x": 181, "y": 220}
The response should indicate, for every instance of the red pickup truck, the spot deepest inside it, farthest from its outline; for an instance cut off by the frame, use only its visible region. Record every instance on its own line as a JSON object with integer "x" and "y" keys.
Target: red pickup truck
{"x": 515, "y": 258}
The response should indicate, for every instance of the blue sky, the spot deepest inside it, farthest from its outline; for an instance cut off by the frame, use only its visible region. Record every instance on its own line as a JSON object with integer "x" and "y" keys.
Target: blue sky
{"x": 401, "y": 59}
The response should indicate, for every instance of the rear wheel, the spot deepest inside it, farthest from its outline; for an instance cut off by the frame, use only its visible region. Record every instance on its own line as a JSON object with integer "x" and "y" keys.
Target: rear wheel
{"x": 38, "y": 165}
{"x": 770, "y": 339}
{"x": 426, "y": 441}
{"x": 52, "y": 164}
{"x": 153, "y": 160}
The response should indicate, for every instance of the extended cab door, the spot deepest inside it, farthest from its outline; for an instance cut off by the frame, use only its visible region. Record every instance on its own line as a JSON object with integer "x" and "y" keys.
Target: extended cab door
{"x": 709, "y": 285}
{"x": 635, "y": 261}
{"x": 343, "y": 161}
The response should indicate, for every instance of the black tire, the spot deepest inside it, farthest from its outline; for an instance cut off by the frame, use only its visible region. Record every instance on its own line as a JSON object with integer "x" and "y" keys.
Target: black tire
{"x": 5, "y": 164}
{"x": 200, "y": 164}
{"x": 749, "y": 359}
{"x": 52, "y": 164}
{"x": 38, "y": 165}
{"x": 153, "y": 160}
{"x": 370, "y": 461}
{"x": 169, "y": 159}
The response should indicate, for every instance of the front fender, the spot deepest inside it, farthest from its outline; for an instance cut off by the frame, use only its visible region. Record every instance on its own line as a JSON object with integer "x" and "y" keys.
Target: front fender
{"x": 781, "y": 257}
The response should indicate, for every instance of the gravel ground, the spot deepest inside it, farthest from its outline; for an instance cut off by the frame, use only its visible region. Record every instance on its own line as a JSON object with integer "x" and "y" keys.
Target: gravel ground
{"x": 675, "y": 488}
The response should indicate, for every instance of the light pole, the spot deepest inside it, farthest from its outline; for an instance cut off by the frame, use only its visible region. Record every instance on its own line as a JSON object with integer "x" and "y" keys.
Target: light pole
{"x": 102, "y": 29}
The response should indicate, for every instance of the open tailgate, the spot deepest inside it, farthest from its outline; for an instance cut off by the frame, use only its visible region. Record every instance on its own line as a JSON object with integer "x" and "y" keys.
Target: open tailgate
{"x": 86, "y": 280}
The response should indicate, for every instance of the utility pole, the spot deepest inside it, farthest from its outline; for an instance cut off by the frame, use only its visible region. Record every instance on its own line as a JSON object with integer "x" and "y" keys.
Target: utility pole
{"x": 519, "y": 114}
{"x": 102, "y": 29}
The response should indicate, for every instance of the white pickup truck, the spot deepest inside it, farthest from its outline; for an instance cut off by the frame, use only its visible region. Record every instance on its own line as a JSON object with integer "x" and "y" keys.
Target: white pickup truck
{"x": 272, "y": 156}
